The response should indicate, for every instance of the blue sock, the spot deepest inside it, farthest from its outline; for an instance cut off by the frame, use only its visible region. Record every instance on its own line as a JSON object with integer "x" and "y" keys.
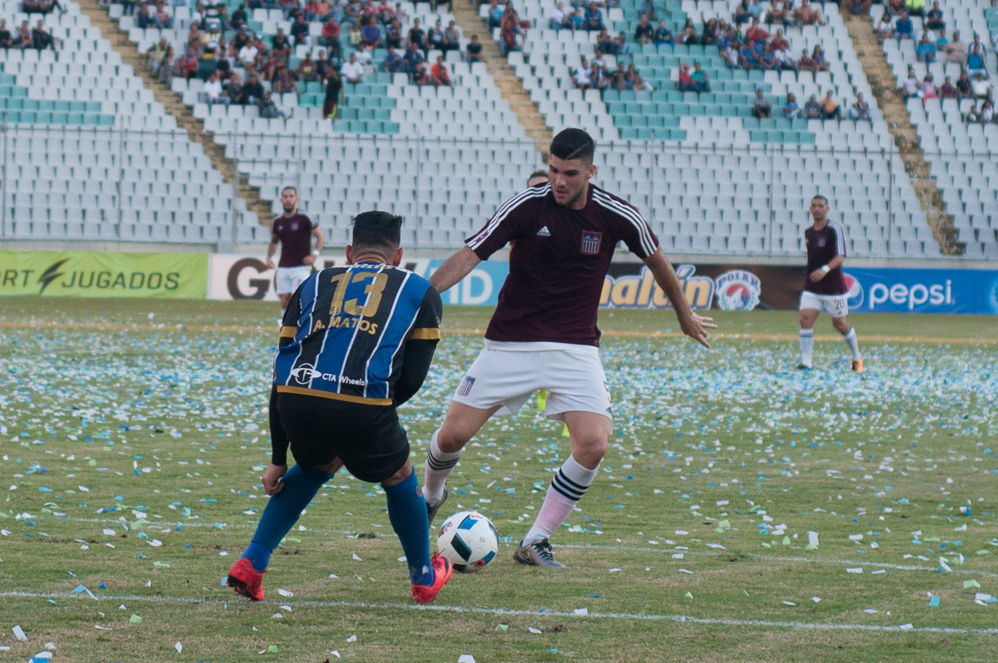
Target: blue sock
{"x": 282, "y": 512}
{"x": 407, "y": 511}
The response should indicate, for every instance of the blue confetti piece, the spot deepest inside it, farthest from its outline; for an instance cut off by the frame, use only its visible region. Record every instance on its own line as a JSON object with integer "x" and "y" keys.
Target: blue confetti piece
{"x": 934, "y": 602}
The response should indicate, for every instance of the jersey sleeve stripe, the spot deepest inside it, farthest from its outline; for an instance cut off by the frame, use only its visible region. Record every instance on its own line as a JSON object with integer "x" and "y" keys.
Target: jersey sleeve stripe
{"x": 632, "y": 216}
{"x": 288, "y": 332}
{"x": 840, "y": 238}
{"x": 425, "y": 334}
{"x": 503, "y": 212}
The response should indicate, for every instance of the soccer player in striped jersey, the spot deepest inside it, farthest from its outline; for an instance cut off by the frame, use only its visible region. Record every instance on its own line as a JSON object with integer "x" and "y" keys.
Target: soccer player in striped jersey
{"x": 356, "y": 342}
{"x": 543, "y": 334}
{"x": 824, "y": 284}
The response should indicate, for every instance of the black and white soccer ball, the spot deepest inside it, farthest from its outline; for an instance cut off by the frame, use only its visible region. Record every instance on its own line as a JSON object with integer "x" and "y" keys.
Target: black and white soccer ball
{"x": 469, "y": 540}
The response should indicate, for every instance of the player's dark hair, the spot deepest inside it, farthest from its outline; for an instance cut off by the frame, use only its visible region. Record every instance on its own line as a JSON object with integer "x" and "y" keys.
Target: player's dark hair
{"x": 377, "y": 229}
{"x": 817, "y": 196}
{"x": 573, "y": 144}
{"x": 290, "y": 188}
{"x": 537, "y": 173}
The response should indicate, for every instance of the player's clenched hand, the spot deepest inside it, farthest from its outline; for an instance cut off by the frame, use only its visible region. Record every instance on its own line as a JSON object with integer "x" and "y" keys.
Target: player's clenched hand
{"x": 817, "y": 275}
{"x": 269, "y": 264}
{"x": 272, "y": 478}
{"x": 696, "y": 326}
{"x": 308, "y": 260}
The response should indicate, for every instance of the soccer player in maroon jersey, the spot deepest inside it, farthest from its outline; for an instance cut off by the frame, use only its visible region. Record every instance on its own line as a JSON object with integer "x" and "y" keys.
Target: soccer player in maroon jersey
{"x": 543, "y": 333}
{"x": 294, "y": 231}
{"x": 824, "y": 285}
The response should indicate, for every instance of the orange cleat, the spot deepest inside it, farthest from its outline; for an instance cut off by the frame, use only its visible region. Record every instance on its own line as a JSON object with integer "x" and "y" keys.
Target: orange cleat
{"x": 244, "y": 579}
{"x": 857, "y": 366}
{"x": 442, "y": 570}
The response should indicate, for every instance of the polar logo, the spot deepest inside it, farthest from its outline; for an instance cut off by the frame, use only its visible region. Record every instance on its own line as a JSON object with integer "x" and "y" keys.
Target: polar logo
{"x": 305, "y": 374}
{"x": 737, "y": 290}
{"x": 912, "y": 296}
{"x": 854, "y": 291}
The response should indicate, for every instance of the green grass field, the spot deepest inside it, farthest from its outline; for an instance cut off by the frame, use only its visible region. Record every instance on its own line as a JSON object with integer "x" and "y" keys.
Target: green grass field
{"x": 133, "y": 434}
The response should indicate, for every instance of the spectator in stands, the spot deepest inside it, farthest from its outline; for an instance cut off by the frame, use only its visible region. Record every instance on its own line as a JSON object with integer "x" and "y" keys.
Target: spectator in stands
{"x": 791, "y": 110}
{"x": 227, "y": 63}
{"x": 731, "y": 54}
{"x": 929, "y": 88}
{"x": 299, "y": 32}
{"x": 417, "y": 37}
{"x": 699, "y": 79}
{"x": 620, "y": 43}
{"x": 710, "y": 33}
{"x": 915, "y": 8}
{"x": 598, "y": 80}
{"x": 684, "y": 83}
{"x": 419, "y": 76}
{"x": 980, "y": 87}
{"x": 689, "y": 35}
{"x": 964, "y": 90}
{"x": 956, "y": 50}
{"x": 510, "y": 36}
{"x": 748, "y": 58}
{"x": 155, "y": 53}
{"x": 241, "y": 39}
{"x": 410, "y": 59}
{"x": 267, "y": 108}
{"x": 40, "y": 39}
{"x": 23, "y": 38}
{"x": 975, "y": 61}
{"x": 234, "y": 88}
{"x": 987, "y": 113}
{"x": 283, "y": 82}
{"x": 925, "y": 50}
{"x": 452, "y": 38}
{"x": 742, "y": 13}
{"x": 41, "y": 6}
{"x": 439, "y": 75}
{"x": 393, "y": 62}
{"x": 806, "y": 63}
{"x": 594, "y": 18}
{"x": 558, "y": 18}
{"x": 334, "y": 86}
{"x": 6, "y": 38}
{"x": 252, "y": 92}
{"x": 495, "y": 14}
{"x": 167, "y": 68}
{"x": 767, "y": 59}
{"x": 163, "y": 18}
{"x": 903, "y": 27}
{"x": 473, "y": 53}
{"x": 143, "y": 19}
{"x": 857, "y": 7}
{"x": 761, "y": 107}
{"x": 213, "y": 93}
{"x": 599, "y": 60}
{"x": 307, "y": 69}
{"x": 818, "y": 58}
{"x": 640, "y": 85}
{"x": 812, "y": 109}
{"x": 779, "y": 14}
{"x": 648, "y": 9}
{"x": 330, "y": 34}
{"x": 663, "y": 36}
{"x": 618, "y": 77}
{"x": 370, "y": 34}
{"x": 784, "y": 57}
{"x": 576, "y": 21}
{"x": 644, "y": 33}
{"x": 756, "y": 33}
{"x": 884, "y": 28}
{"x": 946, "y": 90}
{"x": 972, "y": 117}
{"x": 239, "y": 18}
{"x": 580, "y": 75}
{"x": 807, "y": 15}
{"x": 910, "y": 87}
{"x": 860, "y": 110}
{"x": 247, "y": 55}
{"x": 605, "y": 44}
{"x": 435, "y": 37}
{"x": 352, "y": 71}
{"x": 934, "y": 18}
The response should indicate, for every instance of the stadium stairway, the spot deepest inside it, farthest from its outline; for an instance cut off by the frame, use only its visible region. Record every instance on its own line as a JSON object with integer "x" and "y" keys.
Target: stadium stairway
{"x": 871, "y": 56}
{"x": 250, "y": 202}
{"x": 505, "y": 77}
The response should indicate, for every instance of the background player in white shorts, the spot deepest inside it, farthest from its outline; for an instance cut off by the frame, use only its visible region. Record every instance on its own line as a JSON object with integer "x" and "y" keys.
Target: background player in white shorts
{"x": 824, "y": 284}
{"x": 294, "y": 231}
{"x": 543, "y": 334}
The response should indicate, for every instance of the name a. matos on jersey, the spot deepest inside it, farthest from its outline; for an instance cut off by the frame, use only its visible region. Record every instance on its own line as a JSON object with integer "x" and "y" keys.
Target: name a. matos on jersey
{"x": 641, "y": 291}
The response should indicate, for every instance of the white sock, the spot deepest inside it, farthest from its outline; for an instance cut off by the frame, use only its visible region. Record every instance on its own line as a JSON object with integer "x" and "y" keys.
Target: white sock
{"x": 566, "y": 489}
{"x": 853, "y": 342}
{"x": 806, "y": 345}
{"x": 282, "y": 313}
{"x": 439, "y": 465}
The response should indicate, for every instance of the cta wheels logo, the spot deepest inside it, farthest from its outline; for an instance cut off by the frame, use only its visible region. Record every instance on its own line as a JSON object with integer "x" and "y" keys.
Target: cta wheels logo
{"x": 738, "y": 290}
{"x": 854, "y": 291}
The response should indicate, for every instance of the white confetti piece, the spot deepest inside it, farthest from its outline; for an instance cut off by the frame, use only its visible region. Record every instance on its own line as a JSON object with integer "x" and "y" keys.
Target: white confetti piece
{"x": 352, "y": 638}
{"x": 581, "y": 612}
{"x": 19, "y": 634}
{"x": 857, "y": 569}
{"x": 465, "y": 658}
{"x": 286, "y": 593}
{"x": 533, "y": 630}
{"x": 179, "y": 647}
{"x": 816, "y": 599}
{"x": 335, "y": 653}
{"x": 615, "y": 570}
{"x": 906, "y": 627}
{"x": 789, "y": 603}
{"x": 356, "y": 558}
{"x": 109, "y": 532}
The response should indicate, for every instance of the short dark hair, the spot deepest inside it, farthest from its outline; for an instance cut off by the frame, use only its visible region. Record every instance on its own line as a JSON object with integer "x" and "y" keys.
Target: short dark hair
{"x": 537, "y": 173}
{"x": 573, "y": 144}
{"x": 817, "y": 196}
{"x": 376, "y": 229}
{"x": 291, "y": 188}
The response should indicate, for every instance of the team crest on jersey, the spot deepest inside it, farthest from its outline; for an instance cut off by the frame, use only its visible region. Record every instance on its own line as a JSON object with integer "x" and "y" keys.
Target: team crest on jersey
{"x": 821, "y": 241}
{"x": 294, "y": 226}
{"x": 466, "y": 386}
{"x": 591, "y": 242}
{"x": 738, "y": 290}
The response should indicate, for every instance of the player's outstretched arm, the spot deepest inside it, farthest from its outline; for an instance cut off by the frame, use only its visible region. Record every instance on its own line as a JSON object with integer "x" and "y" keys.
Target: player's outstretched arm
{"x": 454, "y": 269}
{"x": 693, "y": 325}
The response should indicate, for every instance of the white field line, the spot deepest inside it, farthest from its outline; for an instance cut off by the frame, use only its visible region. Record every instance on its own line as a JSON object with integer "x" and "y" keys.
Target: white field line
{"x": 681, "y": 619}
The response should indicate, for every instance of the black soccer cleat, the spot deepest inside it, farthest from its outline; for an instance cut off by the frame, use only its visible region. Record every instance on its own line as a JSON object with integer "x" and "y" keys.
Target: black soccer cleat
{"x": 431, "y": 509}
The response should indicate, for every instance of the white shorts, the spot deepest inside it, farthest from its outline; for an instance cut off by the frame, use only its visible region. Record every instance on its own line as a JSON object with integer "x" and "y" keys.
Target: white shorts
{"x": 506, "y": 374}
{"x": 289, "y": 278}
{"x": 836, "y": 305}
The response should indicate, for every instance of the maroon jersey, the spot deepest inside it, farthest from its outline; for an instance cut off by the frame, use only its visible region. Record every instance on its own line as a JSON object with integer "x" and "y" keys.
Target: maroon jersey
{"x": 295, "y": 235}
{"x": 558, "y": 266}
{"x": 822, "y": 246}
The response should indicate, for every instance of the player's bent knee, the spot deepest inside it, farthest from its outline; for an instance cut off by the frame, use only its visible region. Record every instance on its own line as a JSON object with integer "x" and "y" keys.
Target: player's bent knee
{"x": 401, "y": 475}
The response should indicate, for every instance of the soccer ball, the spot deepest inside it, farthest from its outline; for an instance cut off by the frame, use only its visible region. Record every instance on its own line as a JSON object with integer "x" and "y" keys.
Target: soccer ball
{"x": 469, "y": 540}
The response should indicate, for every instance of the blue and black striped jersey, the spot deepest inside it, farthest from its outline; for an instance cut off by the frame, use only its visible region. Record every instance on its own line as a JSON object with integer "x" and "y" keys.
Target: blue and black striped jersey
{"x": 347, "y": 332}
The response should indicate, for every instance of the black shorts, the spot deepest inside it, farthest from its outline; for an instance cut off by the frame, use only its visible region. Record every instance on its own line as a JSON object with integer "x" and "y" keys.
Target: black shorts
{"x": 367, "y": 438}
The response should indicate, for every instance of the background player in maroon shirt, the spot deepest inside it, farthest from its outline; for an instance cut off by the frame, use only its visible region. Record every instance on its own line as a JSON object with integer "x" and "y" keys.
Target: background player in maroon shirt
{"x": 824, "y": 285}
{"x": 543, "y": 334}
{"x": 294, "y": 231}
